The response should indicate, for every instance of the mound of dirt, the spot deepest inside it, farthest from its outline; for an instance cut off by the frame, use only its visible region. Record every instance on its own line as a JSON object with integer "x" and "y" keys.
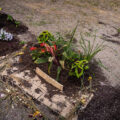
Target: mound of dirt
{"x": 10, "y": 24}
{"x": 7, "y": 47}
{"x": 104, "y": 106}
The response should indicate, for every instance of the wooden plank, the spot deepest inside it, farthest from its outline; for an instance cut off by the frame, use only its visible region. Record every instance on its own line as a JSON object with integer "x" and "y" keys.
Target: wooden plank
{"x": 48, "y": 79}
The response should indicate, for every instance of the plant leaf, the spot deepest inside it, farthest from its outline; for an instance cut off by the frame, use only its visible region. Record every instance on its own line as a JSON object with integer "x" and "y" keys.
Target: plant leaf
{"x": 41, "y": 60}
{"x": 50, "y": 59}
{"x": 19, "y": 53}
{"x": 62, "y": 63}
{"x": 49, "y": 67}
{"x": 58, "y": 72}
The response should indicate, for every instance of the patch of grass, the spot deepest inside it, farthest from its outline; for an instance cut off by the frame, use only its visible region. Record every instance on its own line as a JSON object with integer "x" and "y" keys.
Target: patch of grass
{"x": 95, "y": 3}
{"x": 53, "y": 9}
{"x": 118, "y": 30}
{"x": 53, "y": 0}
{"x": 83, "y": 3}
{"x": 19, "y": 11}
{"x": 115, "y": 3}
{"x": 22, "y": 42}
{"x": 29, "y": 18}
{"x": 90, "y": 49}
{"x": 75, "y": 3}
{"x": 39, "y": 23}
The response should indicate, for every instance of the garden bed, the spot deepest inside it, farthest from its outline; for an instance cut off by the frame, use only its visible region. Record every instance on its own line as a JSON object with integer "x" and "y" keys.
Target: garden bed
{"x": 70, "y": 84}
{"x": 52, "y": 60}
{"x": 11, "y": 25}
{"x": 63, "y": 104}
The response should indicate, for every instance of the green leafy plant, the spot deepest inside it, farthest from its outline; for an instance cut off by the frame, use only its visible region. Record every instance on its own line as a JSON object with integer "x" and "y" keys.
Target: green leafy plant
{"x": 89, "y": 50}
{"x": 66, "y": 47}
{"x": 65, "y": 53}
{"x": 5, "y": 36}
{"x": 45, "y": 53}
{"x": 78, "y": 68}
{"x": 17, "y": 23}
{"x": 58, "y": 72}
{"x": 118, "y": 30}
{"x": 44, "y": 37}
{"x": 55, "y": 50}
{"x": 22, "y": 42}
{"x": 9, "y": 18}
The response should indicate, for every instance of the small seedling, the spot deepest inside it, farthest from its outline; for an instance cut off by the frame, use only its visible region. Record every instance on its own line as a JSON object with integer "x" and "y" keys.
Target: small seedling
{"x": 22, "y": 42}
{"x": 0, "y": 8}
{"x": 9, "y": 18}
{"x": 118, "y": 30}
{"x": 17, "y": 23}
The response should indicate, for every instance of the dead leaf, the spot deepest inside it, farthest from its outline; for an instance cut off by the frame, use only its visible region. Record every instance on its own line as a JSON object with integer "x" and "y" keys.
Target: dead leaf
{"x": 19, "y": 53}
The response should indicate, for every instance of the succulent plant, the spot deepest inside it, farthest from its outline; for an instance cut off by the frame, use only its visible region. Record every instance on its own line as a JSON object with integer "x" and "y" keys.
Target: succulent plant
{"x": 5, "y": 36}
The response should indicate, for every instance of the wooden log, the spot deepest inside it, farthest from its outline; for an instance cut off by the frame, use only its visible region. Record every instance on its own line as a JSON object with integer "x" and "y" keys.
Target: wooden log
{"x": 48, "y": 79}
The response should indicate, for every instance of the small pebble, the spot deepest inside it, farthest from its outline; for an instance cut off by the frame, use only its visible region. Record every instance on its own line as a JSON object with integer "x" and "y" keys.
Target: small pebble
{"x": 2, "y": 95}
{"x": 7, "y": 90}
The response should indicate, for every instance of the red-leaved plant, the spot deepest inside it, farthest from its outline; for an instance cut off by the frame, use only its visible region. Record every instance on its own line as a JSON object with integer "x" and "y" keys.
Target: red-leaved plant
{"x": 45, "y": 53}
{"x": 49, "y": 49}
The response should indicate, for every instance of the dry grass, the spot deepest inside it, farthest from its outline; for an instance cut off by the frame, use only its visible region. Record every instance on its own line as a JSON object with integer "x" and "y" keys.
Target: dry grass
{"x": 95, "y": 3}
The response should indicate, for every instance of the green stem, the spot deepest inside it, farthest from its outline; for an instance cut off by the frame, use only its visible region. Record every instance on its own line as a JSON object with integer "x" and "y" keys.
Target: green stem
{"x": 82, "y": 82}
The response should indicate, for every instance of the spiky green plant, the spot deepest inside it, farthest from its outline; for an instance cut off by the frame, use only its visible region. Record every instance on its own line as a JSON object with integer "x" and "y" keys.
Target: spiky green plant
{"x": 90, "y": 49}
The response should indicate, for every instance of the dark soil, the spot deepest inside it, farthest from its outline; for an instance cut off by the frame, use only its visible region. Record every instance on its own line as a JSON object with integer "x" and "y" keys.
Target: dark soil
{"x": 71, "y": 84}
{"x": 10, "y": 26}
{"x": 7, "y": 47}
{"x": 104, "y": 106}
